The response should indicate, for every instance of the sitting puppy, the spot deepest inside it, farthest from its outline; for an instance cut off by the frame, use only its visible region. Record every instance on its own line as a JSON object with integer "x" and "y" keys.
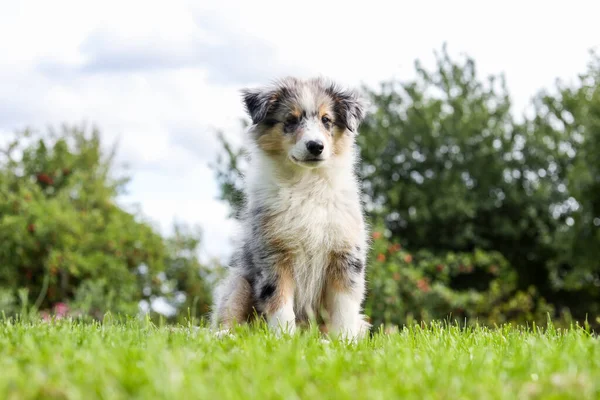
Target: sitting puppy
{"x": 304, "y": 243}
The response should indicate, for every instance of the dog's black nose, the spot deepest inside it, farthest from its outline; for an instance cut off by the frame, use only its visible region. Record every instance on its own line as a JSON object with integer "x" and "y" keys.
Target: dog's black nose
{"x": 315, "y": 147}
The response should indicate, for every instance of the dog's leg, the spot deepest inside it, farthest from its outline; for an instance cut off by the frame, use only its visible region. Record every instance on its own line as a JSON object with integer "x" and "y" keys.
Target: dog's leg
{"x": 272, "y": 262}
{"x": 345, "y": 314}
{"x": 283, "y": 319}
{"x": 344, "y": 295}
{"x": 277, "y": 297}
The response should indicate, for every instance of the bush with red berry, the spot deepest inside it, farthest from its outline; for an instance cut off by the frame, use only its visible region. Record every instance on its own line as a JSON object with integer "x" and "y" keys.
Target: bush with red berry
{"x": 66, "y": 245}
{"x": 477, "y": 286}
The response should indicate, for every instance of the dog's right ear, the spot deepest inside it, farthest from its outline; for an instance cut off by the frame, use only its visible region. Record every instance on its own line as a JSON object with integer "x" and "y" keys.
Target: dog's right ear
{"x": 258, "y": 102}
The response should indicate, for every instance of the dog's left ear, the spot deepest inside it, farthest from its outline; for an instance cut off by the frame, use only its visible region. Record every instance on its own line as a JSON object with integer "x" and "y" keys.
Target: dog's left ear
{"x": 258, "y": 102}
{"x": 349, "y": 108}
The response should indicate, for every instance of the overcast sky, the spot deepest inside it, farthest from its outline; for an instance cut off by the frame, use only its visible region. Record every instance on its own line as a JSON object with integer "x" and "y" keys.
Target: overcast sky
{"x": 162, "y": 78}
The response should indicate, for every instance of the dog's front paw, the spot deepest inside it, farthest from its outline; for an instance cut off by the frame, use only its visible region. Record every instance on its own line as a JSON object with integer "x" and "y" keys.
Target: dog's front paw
{"x": 283, "y": 328}
{"x": 223, "y": 333}
{"x": 347, "y": 335}
{"x": 352, "y": 332}
{"x": 363, "y": 327}
{"x": 283, "y": 321}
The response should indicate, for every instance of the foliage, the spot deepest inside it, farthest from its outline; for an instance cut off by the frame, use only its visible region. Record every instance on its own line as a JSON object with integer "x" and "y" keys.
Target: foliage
{"x": 229, "y": 175}
{"x": 477, "y": 286}
{"x": 448, "y": 169}
{"x": 67, "y": 360}
{"x": 64, "y": 242}
{"x": 187, "y": 280}
{"x": 570, "y": 122}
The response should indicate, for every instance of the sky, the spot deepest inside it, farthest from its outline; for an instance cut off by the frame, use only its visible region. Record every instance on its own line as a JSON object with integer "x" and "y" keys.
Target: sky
{"x": 160, "y": 78}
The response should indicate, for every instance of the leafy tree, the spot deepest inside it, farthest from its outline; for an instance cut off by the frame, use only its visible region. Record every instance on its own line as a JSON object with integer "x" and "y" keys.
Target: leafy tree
{"x": 229, "y": 172}
{"x": 569, "y": 122}
{"x": 448, "y": 169}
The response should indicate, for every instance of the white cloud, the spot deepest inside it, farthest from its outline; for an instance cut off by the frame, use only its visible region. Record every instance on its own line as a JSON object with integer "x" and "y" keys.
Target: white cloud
{"x": 160, "y": 77}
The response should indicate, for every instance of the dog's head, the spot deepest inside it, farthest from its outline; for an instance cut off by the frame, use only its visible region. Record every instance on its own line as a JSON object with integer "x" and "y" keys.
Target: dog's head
{"x": 306, "y": 122}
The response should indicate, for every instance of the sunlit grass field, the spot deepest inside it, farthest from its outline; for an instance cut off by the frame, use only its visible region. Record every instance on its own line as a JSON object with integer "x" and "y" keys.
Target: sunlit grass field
{"x": 110, "y": 360}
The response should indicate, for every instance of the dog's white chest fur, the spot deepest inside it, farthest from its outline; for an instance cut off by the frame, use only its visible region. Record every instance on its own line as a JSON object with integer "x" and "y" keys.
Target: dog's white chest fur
{"x": 315, "y": 216}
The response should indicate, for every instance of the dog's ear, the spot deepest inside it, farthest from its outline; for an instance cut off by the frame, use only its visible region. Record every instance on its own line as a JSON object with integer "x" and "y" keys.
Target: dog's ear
{"x": 258, "y": 103}
{"x": 349, "y": 108}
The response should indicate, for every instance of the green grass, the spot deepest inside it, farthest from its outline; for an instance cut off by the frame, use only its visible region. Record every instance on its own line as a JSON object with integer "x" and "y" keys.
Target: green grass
{"x": 74, "y": 360}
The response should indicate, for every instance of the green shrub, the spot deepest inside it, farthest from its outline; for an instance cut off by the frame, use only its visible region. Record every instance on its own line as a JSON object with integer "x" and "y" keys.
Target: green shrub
{"x": 478, "y": 286}
{"x": 63, "y": 238}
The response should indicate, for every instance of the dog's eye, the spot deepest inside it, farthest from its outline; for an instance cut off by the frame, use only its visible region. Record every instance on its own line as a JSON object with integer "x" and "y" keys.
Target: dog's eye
{"x": 325, "y": 120}
{"x": 290, "y": 121}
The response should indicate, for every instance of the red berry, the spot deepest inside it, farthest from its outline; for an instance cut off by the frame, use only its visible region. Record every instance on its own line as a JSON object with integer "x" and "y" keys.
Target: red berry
{"x": 45, "y": 178}
{"x": 394, "y": 248}
{"x": 423, "y": 285}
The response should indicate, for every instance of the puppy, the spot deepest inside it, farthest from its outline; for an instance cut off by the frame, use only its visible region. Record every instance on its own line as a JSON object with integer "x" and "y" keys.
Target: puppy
{"x": 304, "y": 245}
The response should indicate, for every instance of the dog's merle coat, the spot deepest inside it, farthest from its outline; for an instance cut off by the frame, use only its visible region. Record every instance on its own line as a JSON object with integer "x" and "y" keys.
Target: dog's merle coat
{"x": 305, "y": 240}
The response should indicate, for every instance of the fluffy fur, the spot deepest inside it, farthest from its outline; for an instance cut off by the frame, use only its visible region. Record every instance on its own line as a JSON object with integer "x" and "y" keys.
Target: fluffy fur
{"x": 303, "y": 253}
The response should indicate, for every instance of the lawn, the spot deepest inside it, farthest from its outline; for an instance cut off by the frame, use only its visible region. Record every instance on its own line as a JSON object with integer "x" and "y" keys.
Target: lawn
{"x": 72, "y": 360}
